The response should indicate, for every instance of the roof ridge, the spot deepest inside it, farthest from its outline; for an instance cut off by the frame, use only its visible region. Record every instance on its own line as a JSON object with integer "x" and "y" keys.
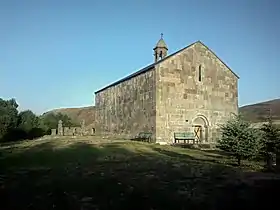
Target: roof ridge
{"x": 149, "y": 67}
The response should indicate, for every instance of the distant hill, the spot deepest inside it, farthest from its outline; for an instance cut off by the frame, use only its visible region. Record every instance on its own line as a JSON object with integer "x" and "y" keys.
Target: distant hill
{"x": 78, "y": 114}
{"x": 258, "y": 112}
{"x": 255, "y": 112}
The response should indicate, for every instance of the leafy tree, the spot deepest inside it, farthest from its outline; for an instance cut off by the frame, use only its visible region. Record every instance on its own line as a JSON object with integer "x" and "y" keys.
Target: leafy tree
{"x": 270, "y": 141}
{"x": 27, "y": 120}
{"x": 35, "y": 133}
{"x": 27, "y": 125}
{"x": 50, "y": 120}
{"x": 8, "y": 115}
{"x": 239, "y": 139}
{"x": 30, "y": 123}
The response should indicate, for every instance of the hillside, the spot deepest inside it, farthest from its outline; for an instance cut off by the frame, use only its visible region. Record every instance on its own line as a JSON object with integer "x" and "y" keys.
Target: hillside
{"x": 254, "y": 112}
{"x": 258, "y": 112}
{"x": 78, "y": 114}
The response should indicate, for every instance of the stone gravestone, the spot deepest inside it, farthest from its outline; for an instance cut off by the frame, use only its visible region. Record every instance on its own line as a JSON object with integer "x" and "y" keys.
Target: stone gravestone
{"x": 83, "y": 129}
{"x": 53, "y": 132}
{"x": 60, "y": 128}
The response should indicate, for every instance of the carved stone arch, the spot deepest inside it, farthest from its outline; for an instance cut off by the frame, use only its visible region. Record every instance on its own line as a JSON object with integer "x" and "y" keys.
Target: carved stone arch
{"x": 200, "y": 124}
{"x": 199, "y": 115}
{"x": 205, "y": 120}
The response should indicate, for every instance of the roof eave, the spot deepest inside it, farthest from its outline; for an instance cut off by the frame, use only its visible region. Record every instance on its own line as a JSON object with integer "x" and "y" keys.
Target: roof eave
{"x": 219, "y": 59}
{"x": 151, "y": 66}
{"x": 141, "y": 71}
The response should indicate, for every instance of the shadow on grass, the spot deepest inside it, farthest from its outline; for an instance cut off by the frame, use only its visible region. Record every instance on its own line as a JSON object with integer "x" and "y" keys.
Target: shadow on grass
{"x": 217, "y": 152}
{"x": 208, "y": 158}
{"x": 111, "y": 176}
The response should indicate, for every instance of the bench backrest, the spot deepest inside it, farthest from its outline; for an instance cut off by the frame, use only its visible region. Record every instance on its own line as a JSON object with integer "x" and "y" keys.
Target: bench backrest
{"x": 145, "y": 135}
{"x": 184, "y": 135}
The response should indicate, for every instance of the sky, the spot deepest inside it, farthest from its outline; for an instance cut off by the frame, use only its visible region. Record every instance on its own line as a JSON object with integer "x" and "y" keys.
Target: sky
{"x": 57, "y": 53}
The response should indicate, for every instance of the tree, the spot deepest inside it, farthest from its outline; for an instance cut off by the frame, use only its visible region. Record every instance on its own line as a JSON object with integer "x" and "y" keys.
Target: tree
{"x": 28, "y": 120}
{"x": 270, "y": 141}
{"x": 27, "y": 125}
{"x": 30, "y": 124}
{"x": 239, "y": 139}
{"x": 50, "y": 121}
{"x": 8, "y": 115}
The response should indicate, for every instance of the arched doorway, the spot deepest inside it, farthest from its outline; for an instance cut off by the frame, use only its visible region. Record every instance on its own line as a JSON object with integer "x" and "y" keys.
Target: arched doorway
{"x": 92, "y": 131}
{"x": 200, "y": 128}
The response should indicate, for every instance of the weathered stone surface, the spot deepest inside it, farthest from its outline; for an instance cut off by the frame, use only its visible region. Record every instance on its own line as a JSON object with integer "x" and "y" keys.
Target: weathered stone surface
{"x": 172, "y": 97}
{"x": 60, "y": 128}
{"x": 53, "y": 132}
{"x": 73, "y": 131}
{"x": 129, "y": 107}
{"x": 208, "y": 102}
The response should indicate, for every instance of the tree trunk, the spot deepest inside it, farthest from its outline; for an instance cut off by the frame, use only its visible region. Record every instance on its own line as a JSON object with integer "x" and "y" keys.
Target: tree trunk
{"x": 278, "y": 161}
{"x": 239, "y": 160}
{"x": 269, "y": 161}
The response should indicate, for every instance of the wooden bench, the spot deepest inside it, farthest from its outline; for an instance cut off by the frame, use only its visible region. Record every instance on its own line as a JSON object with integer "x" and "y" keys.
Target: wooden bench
{"x": 187, "y": 136}
{"x": 144, "y": 136}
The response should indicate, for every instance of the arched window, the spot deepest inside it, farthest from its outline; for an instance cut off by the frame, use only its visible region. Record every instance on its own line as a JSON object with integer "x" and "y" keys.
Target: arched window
{"x": 160, "y": 54}
{"x": 199, "y": 73}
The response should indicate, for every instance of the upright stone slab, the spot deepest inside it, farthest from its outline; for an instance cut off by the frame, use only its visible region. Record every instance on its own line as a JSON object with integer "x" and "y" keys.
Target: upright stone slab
{"x": 53, "y": 132}
{"x": 60, "y": 128}
{"x": 83, "y": 129}
{"x": 67, "y": 131}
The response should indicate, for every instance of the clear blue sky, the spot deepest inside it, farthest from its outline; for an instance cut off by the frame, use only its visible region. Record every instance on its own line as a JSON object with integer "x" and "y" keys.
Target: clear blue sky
{"x": 56, "y": 53}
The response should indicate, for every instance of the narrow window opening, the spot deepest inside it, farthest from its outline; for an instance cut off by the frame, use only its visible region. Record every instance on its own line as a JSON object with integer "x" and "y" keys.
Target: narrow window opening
{"x": 160, "y": 54}
{"x": 199, "y": 73}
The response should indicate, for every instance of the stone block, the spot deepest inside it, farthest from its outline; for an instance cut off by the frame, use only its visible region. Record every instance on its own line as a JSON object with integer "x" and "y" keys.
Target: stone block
{"x": 53, "y": 132}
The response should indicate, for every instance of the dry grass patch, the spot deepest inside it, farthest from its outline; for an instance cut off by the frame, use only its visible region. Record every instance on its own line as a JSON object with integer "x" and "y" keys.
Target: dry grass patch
{"x": 95, "y": 173}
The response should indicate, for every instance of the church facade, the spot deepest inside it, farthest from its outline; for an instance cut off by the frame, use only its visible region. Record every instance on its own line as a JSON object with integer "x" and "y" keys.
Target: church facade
{"x": 191, "y": 90}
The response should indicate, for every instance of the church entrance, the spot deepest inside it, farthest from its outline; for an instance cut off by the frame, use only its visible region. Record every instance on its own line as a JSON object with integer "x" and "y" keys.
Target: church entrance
{"x": 200, "y": 128}
{"x": 198, "y": 132}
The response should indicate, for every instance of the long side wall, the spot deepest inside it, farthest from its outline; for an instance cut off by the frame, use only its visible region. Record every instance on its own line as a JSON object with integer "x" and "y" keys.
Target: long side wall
{"x": 181, "y": 98}
{"x": 127, "y": 108}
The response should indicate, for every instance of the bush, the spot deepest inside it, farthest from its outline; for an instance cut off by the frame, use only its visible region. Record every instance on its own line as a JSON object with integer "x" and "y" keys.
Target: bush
{"x": 270, "y": 142}
{"x": 14, "y": 134}
{"x": 36, "y": 133}
{"x": 239, "y": 139}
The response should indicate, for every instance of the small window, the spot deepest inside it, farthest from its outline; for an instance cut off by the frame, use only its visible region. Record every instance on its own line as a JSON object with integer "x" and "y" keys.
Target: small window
{"x": 199, "y": 73}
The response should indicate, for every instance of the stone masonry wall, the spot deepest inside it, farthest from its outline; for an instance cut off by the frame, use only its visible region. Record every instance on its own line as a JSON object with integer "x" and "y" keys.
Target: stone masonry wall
{"x": 181, "y": 97}
{"x": 127, "y": 108}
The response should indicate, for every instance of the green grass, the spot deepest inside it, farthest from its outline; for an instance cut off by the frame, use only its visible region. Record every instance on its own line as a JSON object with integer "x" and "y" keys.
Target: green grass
{"x": 102, "y": 174}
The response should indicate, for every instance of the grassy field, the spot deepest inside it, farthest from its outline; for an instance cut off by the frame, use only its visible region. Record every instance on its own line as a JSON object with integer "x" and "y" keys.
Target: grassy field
{"x": 102, "y": 174}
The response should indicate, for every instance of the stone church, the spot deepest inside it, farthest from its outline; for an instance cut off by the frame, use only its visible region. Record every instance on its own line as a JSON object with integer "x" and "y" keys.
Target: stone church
{"x": 191, "y": 90}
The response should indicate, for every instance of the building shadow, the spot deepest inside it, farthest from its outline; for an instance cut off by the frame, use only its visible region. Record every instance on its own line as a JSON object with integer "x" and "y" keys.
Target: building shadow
{"x": 114, "y": 176}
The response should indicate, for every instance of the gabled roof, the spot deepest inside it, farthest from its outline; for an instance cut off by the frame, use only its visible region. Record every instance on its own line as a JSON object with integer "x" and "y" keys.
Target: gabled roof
{"x": 151, "y": 66}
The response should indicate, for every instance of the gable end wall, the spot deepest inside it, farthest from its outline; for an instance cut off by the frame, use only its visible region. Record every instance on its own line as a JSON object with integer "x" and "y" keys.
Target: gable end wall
{"x": 180, "y": 97}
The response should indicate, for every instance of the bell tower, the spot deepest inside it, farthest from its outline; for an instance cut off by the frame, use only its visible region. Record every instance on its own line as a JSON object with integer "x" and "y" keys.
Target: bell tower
{"x": 160, "y": 50}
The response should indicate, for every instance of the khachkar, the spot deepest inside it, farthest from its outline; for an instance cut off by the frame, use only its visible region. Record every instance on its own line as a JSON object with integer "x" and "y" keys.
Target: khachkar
{"x": 60, "y": 128}
{"x": 83, "y": 128}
